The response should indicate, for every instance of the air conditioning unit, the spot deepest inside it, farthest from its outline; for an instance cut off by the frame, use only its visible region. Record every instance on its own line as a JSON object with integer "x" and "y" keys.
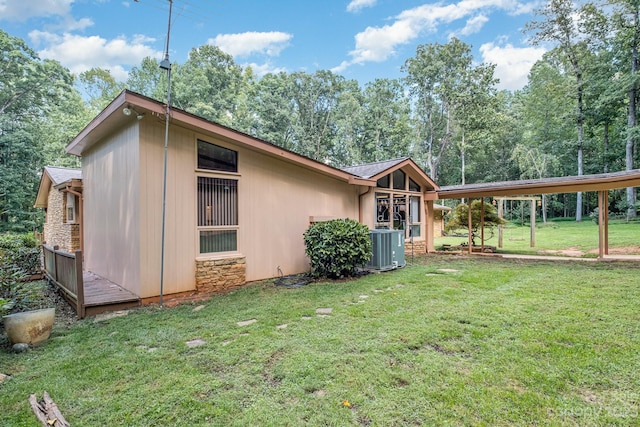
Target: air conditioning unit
{"x": 388, "y": 249}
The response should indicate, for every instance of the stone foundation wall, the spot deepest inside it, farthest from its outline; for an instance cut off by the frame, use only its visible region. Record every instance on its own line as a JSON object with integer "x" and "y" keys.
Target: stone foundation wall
{"x": 218, "y": 275}
{"x": 419, "y": 247}
{"x": 56, "y": 232}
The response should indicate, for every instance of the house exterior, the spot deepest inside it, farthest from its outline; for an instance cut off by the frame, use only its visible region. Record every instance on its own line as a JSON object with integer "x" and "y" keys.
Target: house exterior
{"x": 236, "y": 206}
{"x": 60, "y": 195}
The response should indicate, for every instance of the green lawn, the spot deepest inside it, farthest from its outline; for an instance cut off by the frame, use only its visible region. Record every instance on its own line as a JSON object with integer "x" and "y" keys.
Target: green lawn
{"x": 496, "y": 342}
{"x": 559, "y": 236}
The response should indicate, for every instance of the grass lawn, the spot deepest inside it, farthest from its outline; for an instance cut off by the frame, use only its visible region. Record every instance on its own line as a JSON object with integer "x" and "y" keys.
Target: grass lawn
{"x": 496, "y": 342}
{"x": 561, "y": 238}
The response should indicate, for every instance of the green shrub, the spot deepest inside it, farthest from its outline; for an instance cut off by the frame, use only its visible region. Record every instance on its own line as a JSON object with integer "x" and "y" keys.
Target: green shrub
{"x": 20, "y": 252}
{"x": 337, "y": 247}
{"x": 19, "y": 258}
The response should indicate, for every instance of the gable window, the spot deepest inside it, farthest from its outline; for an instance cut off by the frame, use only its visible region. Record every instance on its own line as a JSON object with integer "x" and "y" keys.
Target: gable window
{"x": 215, "y": 158}
{"x": 413, "y": 186}
{"x": 383, "y": 182}
{"x": 399, "y": 179}
{"x": 217, "y": 215}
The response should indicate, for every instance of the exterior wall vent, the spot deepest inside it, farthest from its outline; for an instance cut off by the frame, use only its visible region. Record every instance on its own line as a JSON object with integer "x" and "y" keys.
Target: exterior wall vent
{"x": 388, "y": 249}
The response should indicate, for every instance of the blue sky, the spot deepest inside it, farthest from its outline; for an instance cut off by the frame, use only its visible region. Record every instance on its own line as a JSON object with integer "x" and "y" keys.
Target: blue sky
{"x": 359, "y": 39}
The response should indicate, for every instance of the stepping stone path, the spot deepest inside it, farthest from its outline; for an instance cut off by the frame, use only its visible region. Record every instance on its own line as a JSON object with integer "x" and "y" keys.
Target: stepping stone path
{"x": 448, "y": 270}
{"x": 283, "y": 326}
{"x": 324, "y": 311}
{"x": 247, "y": 322}
{"x": 195, "y": 343}
{"x": 226, "y": 343}
{"x": 198, "y": 308}
{"x": 307, "y": 317}
{"x": 3, "y": 377}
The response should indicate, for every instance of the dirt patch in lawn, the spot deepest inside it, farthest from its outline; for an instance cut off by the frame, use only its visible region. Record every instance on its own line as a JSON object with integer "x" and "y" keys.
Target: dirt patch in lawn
{"x": 574, "y": 252}
{"x": 627, "y": 250}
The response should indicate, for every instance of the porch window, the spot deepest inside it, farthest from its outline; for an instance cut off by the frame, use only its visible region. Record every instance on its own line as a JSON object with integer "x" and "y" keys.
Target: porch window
{"x": 216, "y": 158}
{"x": 217, "y": 214}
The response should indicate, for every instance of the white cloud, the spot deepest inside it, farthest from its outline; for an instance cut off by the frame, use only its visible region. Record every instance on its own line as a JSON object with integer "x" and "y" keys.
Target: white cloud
{"x": 80, "y": 53}
{"x": 474, "y": 25}
{"x": 377, "y": 44}
{"x": 21, "y": 10}
{"x": 358, "y": 5}
{"x": 245, "y": 44}
{"x": 512, "y": 63}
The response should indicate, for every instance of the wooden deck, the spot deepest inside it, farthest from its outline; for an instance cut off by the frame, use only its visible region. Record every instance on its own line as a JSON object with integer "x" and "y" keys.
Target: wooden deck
{"x": 102, "y": 295}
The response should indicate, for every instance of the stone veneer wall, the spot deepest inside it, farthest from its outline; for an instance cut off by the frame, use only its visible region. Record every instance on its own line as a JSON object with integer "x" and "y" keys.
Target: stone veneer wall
{"x": 218, "y": 275}
{"x": 419, "y": 247}
{"x": 57, "y": 232}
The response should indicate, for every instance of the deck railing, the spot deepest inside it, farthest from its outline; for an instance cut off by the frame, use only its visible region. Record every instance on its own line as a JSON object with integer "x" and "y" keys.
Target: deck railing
{"x": 65, "y": 270}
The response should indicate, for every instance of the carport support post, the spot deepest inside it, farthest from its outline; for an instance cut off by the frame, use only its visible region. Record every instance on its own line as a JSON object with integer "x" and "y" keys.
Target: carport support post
{"x": 532, "y": 221}
{"x": 482, "y": 225}
{"x": 470, "y": 235}
{"x": 500, "y": 227}
{"x": 603, "y": 223}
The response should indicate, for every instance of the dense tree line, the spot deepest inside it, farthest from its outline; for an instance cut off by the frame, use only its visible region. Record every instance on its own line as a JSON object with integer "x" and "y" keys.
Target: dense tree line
{"x": 577, "y": 114}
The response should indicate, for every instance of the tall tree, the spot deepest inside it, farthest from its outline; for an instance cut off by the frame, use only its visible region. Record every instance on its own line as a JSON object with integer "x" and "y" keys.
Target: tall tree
{"x": 208, "y": 84}
{"x": 274, "y": 109}
{"x": 315, "y": 98}
{"x": 30, "y": 89}
{"x": 437, "y": 76}
{"x": 626, "y": 25}
{"x": 558, "y": 25}
{"x": 100, "y": 87}
{"x": 387, "y": 129}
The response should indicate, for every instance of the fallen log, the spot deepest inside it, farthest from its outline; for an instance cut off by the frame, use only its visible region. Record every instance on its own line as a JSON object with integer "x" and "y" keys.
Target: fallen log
{"x": 47, "y": 411}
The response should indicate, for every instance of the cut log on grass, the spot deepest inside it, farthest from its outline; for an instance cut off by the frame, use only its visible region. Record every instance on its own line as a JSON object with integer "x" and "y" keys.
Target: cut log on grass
{"x": 47, "y": 411}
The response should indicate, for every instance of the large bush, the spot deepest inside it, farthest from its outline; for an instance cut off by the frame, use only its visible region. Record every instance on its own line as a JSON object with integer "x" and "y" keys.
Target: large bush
{"x": 19, "y": 258}
{"x": 337, "y": 247}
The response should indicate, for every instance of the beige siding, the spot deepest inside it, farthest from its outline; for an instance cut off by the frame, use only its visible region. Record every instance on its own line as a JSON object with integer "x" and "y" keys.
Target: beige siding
{"x": 276, "y": 200}
{"x": 112, "y": 225}
{"x": 180, "y": 225}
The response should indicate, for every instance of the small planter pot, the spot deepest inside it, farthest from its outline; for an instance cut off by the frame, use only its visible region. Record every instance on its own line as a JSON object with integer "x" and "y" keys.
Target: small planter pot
{"x": 29, "y": 327}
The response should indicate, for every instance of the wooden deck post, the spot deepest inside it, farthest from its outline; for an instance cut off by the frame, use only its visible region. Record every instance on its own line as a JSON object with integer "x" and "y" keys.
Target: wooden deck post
{"x": 80, "y": 308}
{"x": 55, "y": 262}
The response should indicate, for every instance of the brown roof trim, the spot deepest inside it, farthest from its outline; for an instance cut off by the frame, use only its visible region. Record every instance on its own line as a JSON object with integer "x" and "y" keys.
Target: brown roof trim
{"x": 567, "y": 184}
{"x": 110, "y": 119}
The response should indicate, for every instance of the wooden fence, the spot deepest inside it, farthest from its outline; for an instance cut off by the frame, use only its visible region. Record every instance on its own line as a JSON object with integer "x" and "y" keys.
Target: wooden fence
{"x": 65, "y": 270}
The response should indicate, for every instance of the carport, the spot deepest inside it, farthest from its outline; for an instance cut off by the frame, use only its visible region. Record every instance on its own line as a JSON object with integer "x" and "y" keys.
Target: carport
{"x": 601, "y": 183}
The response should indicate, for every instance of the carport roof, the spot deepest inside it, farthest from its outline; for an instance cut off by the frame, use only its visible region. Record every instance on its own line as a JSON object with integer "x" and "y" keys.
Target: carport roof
{"x": 566, "y": 184}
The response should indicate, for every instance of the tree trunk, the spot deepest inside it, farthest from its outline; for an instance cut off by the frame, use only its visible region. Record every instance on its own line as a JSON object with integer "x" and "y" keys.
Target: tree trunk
{"x": 632, "y": 111}
{"x": 605, "y": 143}
{"x": 580, "y": 139}
{"x": 462, "y": 158}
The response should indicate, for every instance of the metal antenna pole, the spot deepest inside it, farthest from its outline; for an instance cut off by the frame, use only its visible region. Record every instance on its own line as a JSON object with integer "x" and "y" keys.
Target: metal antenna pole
{"x": 165, "y": 65}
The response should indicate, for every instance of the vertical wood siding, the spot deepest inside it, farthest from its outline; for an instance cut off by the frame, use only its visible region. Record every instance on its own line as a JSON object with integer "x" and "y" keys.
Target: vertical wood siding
{"x": 112, "y": 218}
